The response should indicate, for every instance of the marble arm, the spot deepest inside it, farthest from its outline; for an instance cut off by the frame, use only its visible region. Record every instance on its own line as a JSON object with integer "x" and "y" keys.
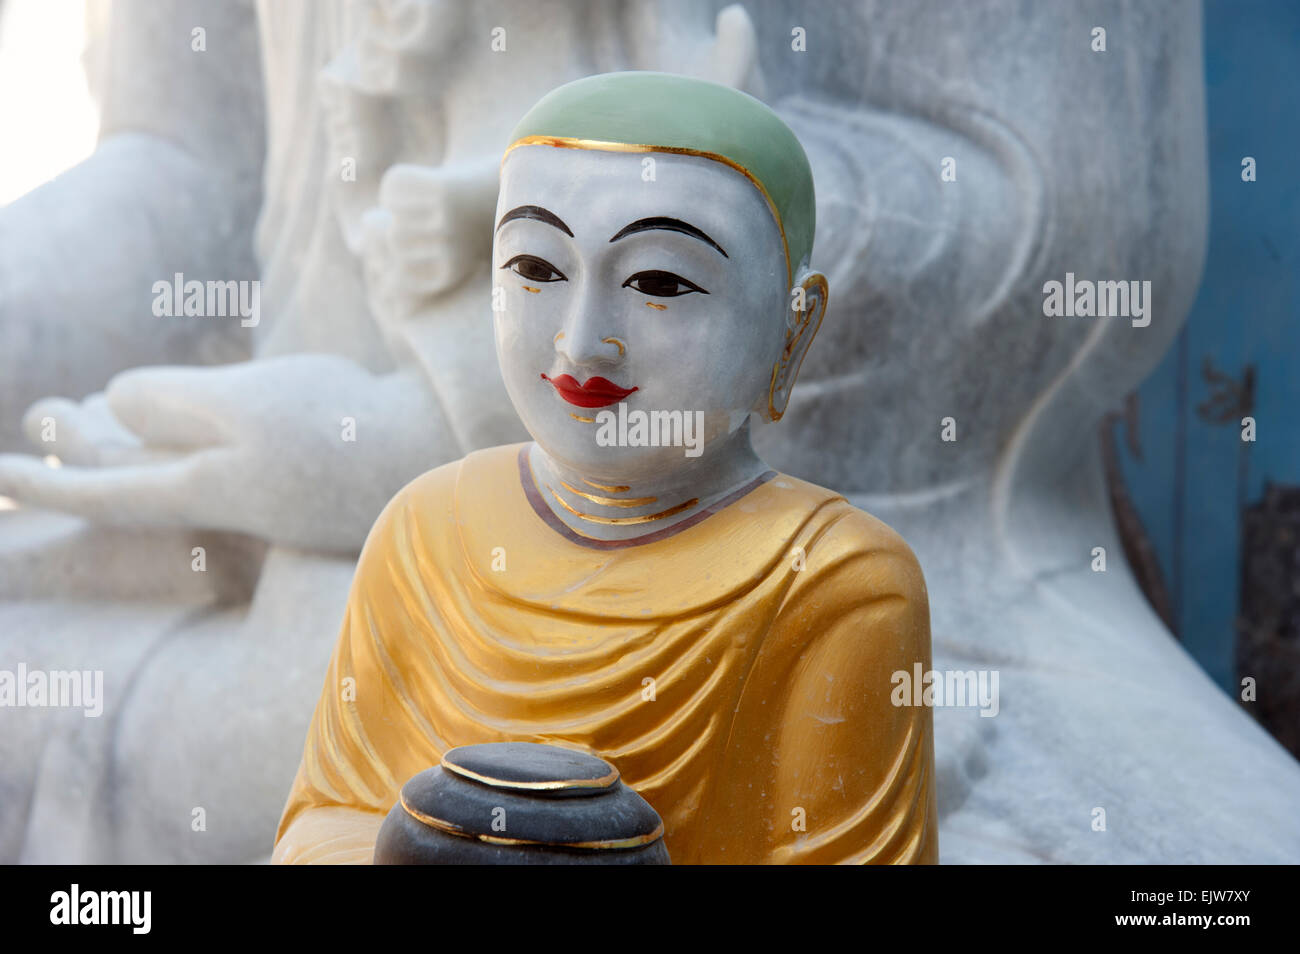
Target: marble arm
{"x": 427, "y": 250}
{"x": 175, "y": 181}
{"x": 169, "y": 447}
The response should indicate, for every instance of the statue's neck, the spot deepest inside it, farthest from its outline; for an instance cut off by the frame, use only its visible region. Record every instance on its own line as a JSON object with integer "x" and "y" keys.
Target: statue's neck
{"x": 601, "y": 507}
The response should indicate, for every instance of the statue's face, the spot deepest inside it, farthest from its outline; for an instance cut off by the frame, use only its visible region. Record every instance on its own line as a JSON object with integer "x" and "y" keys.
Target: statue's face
{"x": 659, "y": 284}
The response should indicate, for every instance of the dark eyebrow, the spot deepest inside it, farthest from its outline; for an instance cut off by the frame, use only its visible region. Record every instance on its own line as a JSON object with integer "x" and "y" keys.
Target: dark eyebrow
{"x": 538, "y": 213}
{"x": 672, "y": 225}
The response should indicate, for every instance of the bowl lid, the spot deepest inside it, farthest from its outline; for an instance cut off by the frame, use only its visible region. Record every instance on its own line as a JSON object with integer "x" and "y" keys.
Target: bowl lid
{"x": 528, "y": 766}
{"x": 522, "y": 793}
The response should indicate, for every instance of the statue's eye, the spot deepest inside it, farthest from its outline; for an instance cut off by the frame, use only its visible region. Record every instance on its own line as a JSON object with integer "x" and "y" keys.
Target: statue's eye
{"x": 535, "y": 269}
{"x": 662, "y": 284}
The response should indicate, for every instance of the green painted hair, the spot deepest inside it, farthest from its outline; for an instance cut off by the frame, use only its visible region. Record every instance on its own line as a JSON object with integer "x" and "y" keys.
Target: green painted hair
{"x": 661, "y": 112}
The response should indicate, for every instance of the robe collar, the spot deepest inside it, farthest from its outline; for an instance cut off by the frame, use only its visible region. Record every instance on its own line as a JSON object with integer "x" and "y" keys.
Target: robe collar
{"x": 712, "y": 557}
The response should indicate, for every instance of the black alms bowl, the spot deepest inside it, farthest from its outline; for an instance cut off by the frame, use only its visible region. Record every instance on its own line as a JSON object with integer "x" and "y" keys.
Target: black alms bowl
{"x": 520, "y": 803}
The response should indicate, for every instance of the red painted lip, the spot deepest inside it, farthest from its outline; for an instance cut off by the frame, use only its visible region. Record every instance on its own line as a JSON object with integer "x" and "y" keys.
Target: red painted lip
{"x": 596, "y": 392}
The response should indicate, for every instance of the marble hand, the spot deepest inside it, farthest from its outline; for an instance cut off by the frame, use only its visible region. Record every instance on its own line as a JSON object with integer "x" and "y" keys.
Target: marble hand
{"x": 302, "y": 451}
{"x": 432, "y": 227}
{"x": 85, "y": 433}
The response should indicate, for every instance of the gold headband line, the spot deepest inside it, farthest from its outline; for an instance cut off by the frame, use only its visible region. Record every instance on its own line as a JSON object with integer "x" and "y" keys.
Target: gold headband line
{"x": 597, "y": 145}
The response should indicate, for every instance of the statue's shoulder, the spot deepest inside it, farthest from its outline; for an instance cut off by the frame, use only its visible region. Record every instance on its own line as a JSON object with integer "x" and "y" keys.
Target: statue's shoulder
{"x": 430, "y": 499}
{"x": 436, "y": 488}
{"x": 843, "y": 538}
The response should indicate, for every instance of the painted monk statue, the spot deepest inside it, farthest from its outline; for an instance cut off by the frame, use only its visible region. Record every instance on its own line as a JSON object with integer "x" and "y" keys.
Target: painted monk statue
{"x": 635, "y": 582}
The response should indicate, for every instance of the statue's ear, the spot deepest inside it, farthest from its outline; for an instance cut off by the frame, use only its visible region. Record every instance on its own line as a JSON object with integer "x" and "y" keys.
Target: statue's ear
{"x": 803, "y": 316}
{"x": 733, "y": 59}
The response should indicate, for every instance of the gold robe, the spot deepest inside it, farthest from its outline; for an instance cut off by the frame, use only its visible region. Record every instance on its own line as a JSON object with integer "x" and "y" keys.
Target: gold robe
{"x": 736, "y": 671}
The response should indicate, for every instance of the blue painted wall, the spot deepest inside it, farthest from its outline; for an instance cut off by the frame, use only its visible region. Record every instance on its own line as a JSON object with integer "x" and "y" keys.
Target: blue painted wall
{"x": 1191, "y": 481}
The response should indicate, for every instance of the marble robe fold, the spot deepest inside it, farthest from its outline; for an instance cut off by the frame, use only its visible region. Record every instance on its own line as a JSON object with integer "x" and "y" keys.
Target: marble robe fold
{"x": 737, "y": 672}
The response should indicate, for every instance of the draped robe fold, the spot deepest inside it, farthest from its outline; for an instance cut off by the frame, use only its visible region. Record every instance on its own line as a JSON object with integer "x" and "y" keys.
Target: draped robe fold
{"x": 738, "y": 672}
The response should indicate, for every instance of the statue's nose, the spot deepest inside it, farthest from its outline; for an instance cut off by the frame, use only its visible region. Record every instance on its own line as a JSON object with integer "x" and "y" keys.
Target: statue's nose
{"x": 587, "y": 337}
{"x": 589, "y": 349}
